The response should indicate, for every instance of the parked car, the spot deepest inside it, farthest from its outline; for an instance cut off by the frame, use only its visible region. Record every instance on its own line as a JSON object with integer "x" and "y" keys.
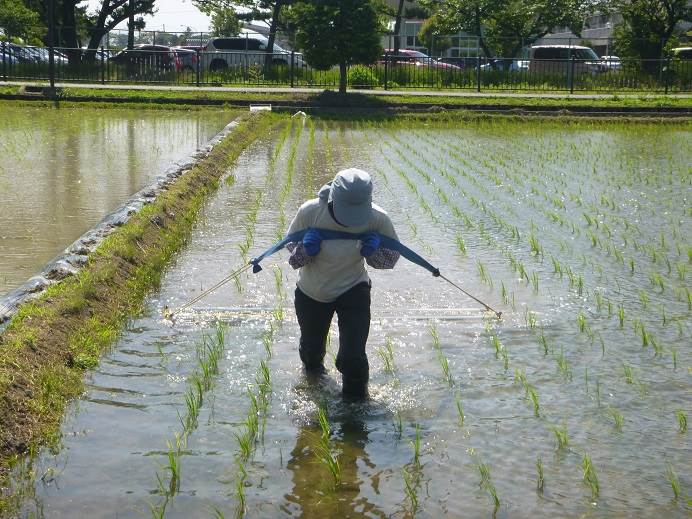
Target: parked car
{"x": 557, "y": 59}
{"x": 415, "y": 58}
{"x": 185, "y": 59}
{"x": 679, "y": 66}
{"x": 7, "y": 56}
{"x": 244, "y": 50}
{"x": 612, "y": 62}
{"x": 514, "y": 65}
{"x": 157, "y": 57}
{"x": 42, "y": 55}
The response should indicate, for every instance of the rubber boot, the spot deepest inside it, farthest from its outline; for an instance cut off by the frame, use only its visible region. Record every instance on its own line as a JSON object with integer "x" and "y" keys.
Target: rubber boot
{"x": 354, "y": 389}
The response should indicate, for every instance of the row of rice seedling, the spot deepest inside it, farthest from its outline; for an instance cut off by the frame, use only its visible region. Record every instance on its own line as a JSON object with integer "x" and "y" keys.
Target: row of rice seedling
{"x": 535, "y": 247}
{"x": 584, "y": 327}
{"x": 200, "y": 382}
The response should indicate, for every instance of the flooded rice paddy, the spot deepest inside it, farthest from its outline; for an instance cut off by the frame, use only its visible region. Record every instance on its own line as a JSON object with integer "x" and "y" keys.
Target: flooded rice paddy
{"x": 61, "y": 171}
{"x": 573, "y": 405}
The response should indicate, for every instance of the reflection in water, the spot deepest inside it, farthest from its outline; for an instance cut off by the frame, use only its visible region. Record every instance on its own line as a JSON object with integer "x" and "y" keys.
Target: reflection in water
{"x": 313, "y": 493}
{"x": 63, "y": 170}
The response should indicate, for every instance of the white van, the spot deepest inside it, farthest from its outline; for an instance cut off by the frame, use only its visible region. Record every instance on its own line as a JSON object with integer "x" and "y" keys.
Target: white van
{"x": 244, "y": 50}
{"x": 557, "y": 60}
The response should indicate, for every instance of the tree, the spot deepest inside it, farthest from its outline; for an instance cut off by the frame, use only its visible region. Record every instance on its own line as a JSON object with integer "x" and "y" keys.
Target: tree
{"x": 503, "y": 27}
{"x": 110, "y": 14}
{"x": 18, "y": 21}
{"x": 649, "y": 27}
{"x": 338, "y": 32}
{"x": 432, "y": 39}
{"x": 224, "y": 22}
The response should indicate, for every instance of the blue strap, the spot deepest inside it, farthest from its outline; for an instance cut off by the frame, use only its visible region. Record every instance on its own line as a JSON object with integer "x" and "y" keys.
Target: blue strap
{"x": 329, "y": 234}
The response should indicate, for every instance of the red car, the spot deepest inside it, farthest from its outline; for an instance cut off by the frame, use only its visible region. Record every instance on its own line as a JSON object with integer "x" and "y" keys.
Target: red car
{"x": 415, "y": 58}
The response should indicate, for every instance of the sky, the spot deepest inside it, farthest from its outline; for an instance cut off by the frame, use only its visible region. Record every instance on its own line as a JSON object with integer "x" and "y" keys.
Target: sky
{"x": 171, "y": 15}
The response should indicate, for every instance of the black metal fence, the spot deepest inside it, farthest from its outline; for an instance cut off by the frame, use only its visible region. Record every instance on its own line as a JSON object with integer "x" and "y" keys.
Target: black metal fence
{"x": 391, "y": 72}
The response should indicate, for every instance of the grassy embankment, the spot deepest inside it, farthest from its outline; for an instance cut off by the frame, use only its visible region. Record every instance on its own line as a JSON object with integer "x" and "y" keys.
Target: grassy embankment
{"x": 360, "y": 100}
{"x": 49, "y": 344}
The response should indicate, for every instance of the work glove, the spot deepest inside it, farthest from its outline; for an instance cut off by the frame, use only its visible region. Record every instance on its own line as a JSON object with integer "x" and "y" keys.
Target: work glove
{"x": 370, "y": 242}
{"x": 312, "y": 242}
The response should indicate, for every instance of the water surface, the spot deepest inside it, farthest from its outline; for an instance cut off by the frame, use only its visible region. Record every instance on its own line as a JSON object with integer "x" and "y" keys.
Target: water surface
{"x": 513, "y": 194}
{"x": 62, "y": 170}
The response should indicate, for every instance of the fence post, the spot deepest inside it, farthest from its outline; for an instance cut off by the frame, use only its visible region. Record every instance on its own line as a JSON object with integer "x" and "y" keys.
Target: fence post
{"x": 478, "y": 65}
{"x": 198, "y": 66}
{"x": 103, "y": 68}
{"x": 5, "y": 59}
{"x": 570, "y": 70}
{"x": 667, "y": 75}
{"x": 291, "y": 71}
{"x": 51, "y": 45}
{"x": 386, "y": 69}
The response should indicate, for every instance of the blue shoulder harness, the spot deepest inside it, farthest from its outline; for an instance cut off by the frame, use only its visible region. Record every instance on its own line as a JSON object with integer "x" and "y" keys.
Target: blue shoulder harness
{"x": 328, "y": 234}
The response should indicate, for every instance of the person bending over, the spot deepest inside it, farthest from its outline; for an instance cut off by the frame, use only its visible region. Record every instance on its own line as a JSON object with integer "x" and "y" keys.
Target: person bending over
{"x": 333, "y": 278}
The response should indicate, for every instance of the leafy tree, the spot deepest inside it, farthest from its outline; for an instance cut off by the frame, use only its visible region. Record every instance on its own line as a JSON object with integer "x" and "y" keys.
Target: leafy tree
{"x": 649, "y": 27}
{"x": 432, "y": 39}
{"x": 505, "y": 26}
{"x": 338, "y": 32}
{"x": 18, "y": 21}
{"x": 110, "y": 13}
{"x": 224, "y": 22}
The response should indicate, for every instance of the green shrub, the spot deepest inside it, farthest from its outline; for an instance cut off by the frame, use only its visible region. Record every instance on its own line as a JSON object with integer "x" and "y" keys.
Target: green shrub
{"x": 362, "y": 77}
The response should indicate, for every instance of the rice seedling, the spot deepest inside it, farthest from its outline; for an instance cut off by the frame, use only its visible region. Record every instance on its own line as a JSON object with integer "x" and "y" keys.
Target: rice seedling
{"x": 503, "y": 291}
{"x": 323, "y": 448}
{"x": 482, "y": 272}
{"x": 415, "y": 445}
{"x": 561, "y": 437}
{"x": 618, "y": 419}
{"x": 674, "y": 354}
{"x": 398, "y": 426}
{"x": 540, "y": 480}
{"x": 543, "y": 342}
{"x": 497, "y": 345}
{"x": 581, "y": 322}
{"x": 460, "y": 409}
{"x": 461, "y": 245}
{"x": 486, "y": 483}
{"x": 621, "y": 316}
{"x": 589, "y": 475}
{"x": 644, "y": 298}
{"x": 672, "y": 478}
{"x": 410, "y": 489}
{"x": 444, "y": 364}
{"x": 534, "y": 282}
{"x": 530, "y": 318}
{"x": 533, "y": 395}
{"x": 628, "y": 373}
{"x": 386, "y": 353}
{"x": 245, "y": 443}
{"x": 563, "y": 365}
{"x": 435, "y": 336}
{"x": 682, "y": 420}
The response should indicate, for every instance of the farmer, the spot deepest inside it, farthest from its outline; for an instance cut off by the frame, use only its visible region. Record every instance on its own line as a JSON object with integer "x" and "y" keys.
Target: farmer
{"x": 333, "y": 278}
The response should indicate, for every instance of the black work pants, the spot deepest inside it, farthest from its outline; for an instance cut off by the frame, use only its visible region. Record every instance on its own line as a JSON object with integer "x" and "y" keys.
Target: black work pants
{"x": 353, "y": 311}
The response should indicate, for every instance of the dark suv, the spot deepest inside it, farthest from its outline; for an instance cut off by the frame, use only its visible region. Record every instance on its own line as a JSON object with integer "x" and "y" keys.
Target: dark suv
{"x": 156, "y": 57}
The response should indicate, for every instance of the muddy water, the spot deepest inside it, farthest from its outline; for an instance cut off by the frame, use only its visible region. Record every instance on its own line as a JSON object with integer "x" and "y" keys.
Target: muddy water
{"x": 63, "y": 170}
{"x": 115, "y": 438}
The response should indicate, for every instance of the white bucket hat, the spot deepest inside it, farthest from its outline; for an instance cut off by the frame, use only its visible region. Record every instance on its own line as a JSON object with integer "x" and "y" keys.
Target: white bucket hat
{"x": 351, "y": 197}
